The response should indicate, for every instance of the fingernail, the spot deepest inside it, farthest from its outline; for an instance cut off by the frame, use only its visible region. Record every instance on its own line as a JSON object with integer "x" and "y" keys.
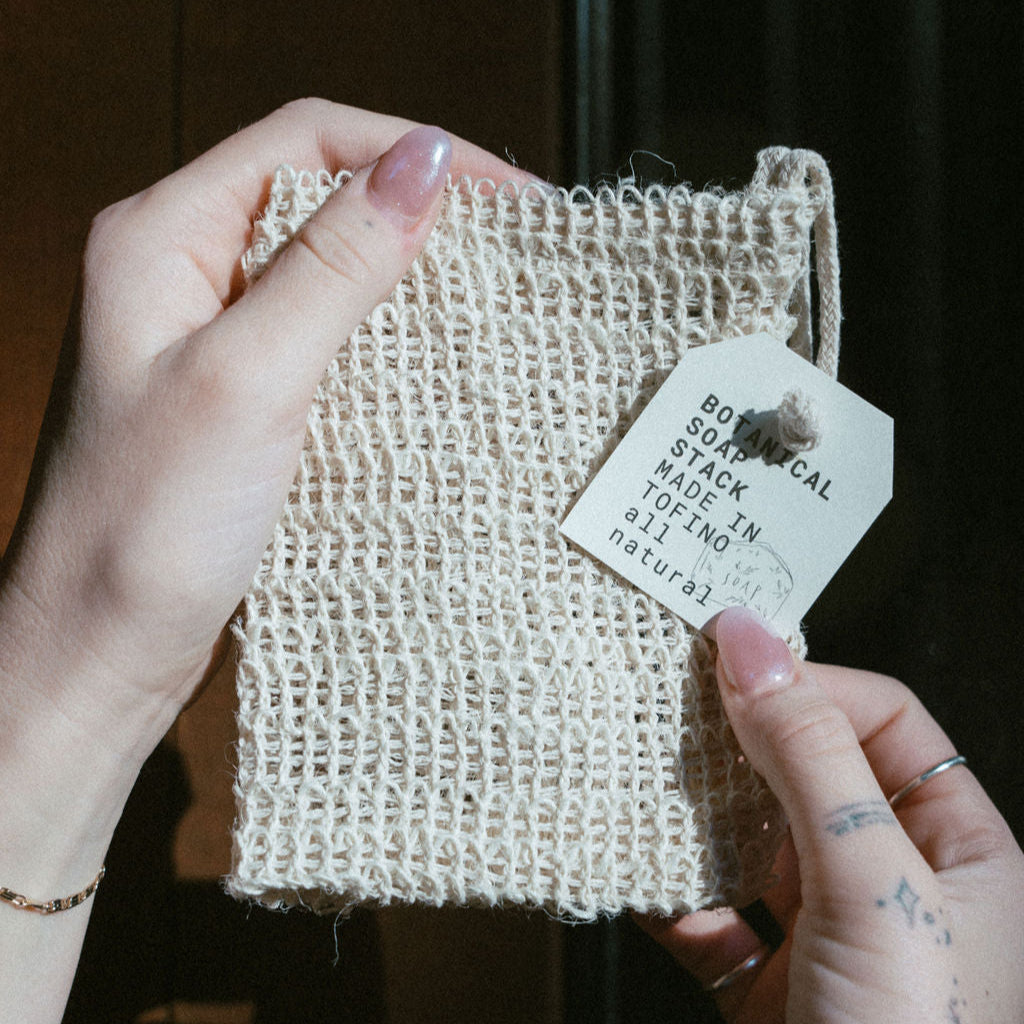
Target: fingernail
{"x": 407, "y": 178}
{"x": 753, "y": 657}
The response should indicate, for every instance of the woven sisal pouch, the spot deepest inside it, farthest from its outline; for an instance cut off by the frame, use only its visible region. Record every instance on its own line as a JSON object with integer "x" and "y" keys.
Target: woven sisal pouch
{"x": 441, "y": 700}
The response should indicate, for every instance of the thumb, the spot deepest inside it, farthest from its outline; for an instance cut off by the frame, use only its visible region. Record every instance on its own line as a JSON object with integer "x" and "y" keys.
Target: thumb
{"x": 806, "y": 749}
{"x": 344, "y": 261}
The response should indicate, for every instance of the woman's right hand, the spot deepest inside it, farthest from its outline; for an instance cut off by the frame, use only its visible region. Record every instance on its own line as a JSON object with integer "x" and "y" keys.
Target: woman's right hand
{"x": 169, "y": 446}
{"x": 891, "y": 914}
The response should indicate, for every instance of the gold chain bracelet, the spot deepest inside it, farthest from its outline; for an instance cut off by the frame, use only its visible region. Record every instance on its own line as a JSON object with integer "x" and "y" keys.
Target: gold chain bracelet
{"x": 15, "y": 899}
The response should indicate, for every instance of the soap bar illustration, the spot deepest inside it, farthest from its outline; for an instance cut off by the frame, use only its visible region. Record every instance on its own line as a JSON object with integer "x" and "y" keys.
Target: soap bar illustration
{"x": 751, "y": 574}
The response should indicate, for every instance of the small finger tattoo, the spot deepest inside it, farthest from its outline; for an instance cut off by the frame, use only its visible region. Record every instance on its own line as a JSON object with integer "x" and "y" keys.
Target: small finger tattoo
{"x": 908, "y": 902}
{"x": 862, "y": 814}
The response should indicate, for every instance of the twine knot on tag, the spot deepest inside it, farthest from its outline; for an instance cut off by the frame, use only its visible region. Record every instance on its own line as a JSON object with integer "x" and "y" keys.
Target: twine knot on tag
{"x": 799, "y": 422}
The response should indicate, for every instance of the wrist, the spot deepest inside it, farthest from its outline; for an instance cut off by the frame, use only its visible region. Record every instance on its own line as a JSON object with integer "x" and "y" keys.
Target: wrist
{"x": 60, "y": 801}
{"x": 65, "y": 779}
{"x": 66, "y": 665}
{"x": 73, "y": 735}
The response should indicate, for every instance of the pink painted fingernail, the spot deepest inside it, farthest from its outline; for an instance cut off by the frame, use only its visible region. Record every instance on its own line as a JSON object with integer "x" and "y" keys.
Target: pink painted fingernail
{"x": 407, "y": 178}
{"x": 753, "y": 656}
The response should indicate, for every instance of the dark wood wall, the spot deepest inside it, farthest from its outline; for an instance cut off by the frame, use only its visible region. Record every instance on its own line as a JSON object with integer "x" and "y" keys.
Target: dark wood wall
{"x": 98, "y": 101}
{"x": 917, "y": 106}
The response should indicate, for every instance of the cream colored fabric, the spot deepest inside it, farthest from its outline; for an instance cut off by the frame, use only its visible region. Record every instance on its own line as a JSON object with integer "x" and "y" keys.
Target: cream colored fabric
{"x": 441, "y": 700}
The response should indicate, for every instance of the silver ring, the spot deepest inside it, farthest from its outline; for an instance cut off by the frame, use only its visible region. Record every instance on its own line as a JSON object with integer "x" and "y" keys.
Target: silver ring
{"x": 919, "y": 780}
{"x": 754, "y": 960}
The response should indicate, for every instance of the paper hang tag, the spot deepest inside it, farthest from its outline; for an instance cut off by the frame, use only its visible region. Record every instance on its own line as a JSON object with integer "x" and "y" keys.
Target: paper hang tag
{"x": 702, "y": 506}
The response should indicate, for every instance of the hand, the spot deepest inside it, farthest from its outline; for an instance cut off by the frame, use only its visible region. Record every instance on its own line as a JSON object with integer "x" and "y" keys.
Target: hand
{"x": 180, "y": 405}
{"x": 908, "y": 914}
{"x": 167, "y": 452}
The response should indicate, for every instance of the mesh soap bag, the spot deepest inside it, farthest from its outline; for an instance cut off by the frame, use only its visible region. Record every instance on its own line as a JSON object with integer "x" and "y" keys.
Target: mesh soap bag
{"x": 441, "y": 699}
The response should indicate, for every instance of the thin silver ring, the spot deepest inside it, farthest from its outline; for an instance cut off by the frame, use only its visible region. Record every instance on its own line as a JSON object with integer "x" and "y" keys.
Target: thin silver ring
{"x": 920, "y": 780}
{"x": 754, "y": 960}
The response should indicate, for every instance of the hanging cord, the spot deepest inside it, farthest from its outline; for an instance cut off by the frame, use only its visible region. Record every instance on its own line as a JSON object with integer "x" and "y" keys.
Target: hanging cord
{"x": 803, "y": 169}
{"x": 792, "y": 169}
{"x": 826, "y": 245}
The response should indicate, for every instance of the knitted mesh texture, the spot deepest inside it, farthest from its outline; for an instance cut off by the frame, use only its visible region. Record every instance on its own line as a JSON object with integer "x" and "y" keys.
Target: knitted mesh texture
{"x": 440, "y": 699}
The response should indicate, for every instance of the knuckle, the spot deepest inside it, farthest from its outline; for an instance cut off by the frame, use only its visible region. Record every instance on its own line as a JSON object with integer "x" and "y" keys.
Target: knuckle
{"x": 107, "y": 226}
{"x": 104, "y": 221}
{"x": 120, "y": 227}
{"x": 814, "y": 729}
{"x": 979, "y": 843}
{"x": 305, "y": 106}
{"x": 336, "y": 253}
{"x": 311, "y": 111}
{"x": 901, "y": 694}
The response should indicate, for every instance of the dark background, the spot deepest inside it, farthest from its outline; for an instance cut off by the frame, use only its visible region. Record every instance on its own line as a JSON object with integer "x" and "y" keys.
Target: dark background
{"x": 917, "y": 107}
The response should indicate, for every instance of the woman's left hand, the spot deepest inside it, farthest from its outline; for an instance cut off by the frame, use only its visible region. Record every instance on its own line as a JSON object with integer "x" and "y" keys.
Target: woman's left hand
{"x": 905, "y": 913}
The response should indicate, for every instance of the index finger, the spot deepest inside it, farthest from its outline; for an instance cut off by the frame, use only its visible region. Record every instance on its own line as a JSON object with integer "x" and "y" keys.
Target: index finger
{"x": 803, "y": 744}
{"x": 951, "y": 819}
